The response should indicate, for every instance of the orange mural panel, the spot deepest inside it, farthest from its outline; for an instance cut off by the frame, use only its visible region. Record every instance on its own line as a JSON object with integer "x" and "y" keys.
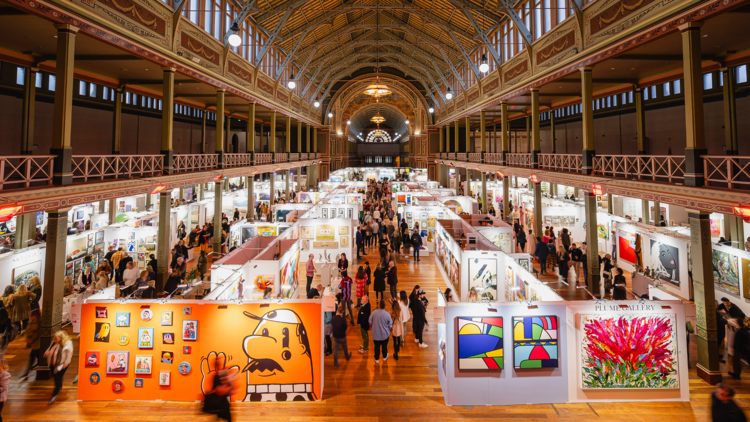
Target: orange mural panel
{"x": 275, "y": 350}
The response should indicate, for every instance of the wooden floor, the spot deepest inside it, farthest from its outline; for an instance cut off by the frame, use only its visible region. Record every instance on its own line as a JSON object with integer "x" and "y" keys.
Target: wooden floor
{"x": 360, "y": 390}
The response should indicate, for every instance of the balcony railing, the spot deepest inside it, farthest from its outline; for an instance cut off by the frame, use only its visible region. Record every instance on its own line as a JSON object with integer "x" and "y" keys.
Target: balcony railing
{"x": 732, "y": 172}
{"x": 293, "y": 156}
{"x": 451, "y": 156}
{"x": 238, "y": 160}
{"x": 475, "y": 157}
{"x": 263, "y": 158}
{"x": 518, "y": 159}
{"x": 560, "y": 162}
{"x": 195, "y": 162}
{"x": 303, "y": 156}
{"x": 282, "y": 157}
{"x": 105, "y": 167}
{"x": 492, "y": 158}
{"x": 21, "y": 171}
{"x": 460, "y": 156}
{"x": 656, "y": 168}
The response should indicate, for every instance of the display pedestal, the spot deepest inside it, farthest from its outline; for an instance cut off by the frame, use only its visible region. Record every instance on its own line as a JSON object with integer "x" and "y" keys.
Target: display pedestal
{"x": 325, "y": 274}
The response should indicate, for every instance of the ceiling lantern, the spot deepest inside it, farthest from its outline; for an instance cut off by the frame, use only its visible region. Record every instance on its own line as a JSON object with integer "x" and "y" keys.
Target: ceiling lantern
{"x": 378, "y": 90}
{"x": 377, "y": 118}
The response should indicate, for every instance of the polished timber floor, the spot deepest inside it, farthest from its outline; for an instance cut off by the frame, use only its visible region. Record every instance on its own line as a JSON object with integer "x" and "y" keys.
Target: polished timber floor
{"x": 360, "y": 390}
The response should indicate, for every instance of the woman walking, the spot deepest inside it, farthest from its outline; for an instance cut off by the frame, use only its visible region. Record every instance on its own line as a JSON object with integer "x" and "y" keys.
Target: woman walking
{"x": 563, "y": 258}
{"x": 339, "y": 336}
{"x": 397, "y": 330}
{"x": 203, "y": 264}
{"x": 379, "y": 286}
{"x": 405, "y": 316}
{"x": 521, "y": 239}
{"x": 360, "y": 279}
{"x": 58, "y": 355}
{"x": 21, "y": 304}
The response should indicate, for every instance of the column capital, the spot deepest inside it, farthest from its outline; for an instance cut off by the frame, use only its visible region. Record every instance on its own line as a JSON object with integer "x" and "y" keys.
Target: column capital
{"x": 536, "y": 88}
{"x": 690, "y": 26}
{"x": 586, "y": 69}
{"x": 220, "y": 90}
{"x": 65, "y": 27}
{"x": 168, "y": 69}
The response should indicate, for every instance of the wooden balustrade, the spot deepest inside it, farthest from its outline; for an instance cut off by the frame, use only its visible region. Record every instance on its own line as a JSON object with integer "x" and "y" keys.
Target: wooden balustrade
{"x": 727, "y": 171}
{"x": 263, "y": 158}
{"x": 656, "y": 168}
{"x": 23, "y": 171}
{"x": 238, "y": 160}
{"x": 516, "y": 159}
{"x": 281, "y": 157}
{"x": 561, "y": 162}
{"x": 106, "y": 167}
{"x": 195, "y": 162}
{"x": 492, "y": 158}
{"x": 475, "y": 157}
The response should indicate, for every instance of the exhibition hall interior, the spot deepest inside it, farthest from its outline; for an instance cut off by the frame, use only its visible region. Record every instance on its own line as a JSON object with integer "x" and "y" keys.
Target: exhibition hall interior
{"x": 374, "y": 210}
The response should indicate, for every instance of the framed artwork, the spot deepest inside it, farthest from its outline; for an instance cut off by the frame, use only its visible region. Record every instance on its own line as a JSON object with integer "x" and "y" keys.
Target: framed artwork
{"x": 349, "y": 213}
{"x": 190, "y": 329}
{"x": 324, "y": 212}
{"x": 101, "y": 333}
{"x": 23, "y": 274}
{"x": 166, "y": 357}
{"x": 535, "y": 342}
{"x": 726, "y": 272}
{"x": 324, "y": 232}
{"x": 483, "y": 277}
{"x": 746, "y": 278}
{"x": 94, "y": 378}
{"x": 131, "y": 236}
{"x": 307, "y": 232}
{"x": 79, "y": 215}
{"x": 147, "y": 314}
{"x": 665, "y": 260}
{"x": 118, "y": 386}
{"x": 145, "y": 338}
{"x": 143, "y": 364}
{"x": 187, "y": 310}
{"x": 341, "y": 213}
{"x": 267, "y": 231}
{"x": 101, "y": 312}
{"x": 343, "y": 230}
{"x": 123, "y": 339}
{"x": 165, "y": 378}
{"x": 99, "y": 237}
{"x": 480, "y": 343}
{"x": 166, "y": 318}
{"x": 131, "y": 245}
{"x": 167, "y": 338}
{"x": 122, "y": 319}
{"x": 117, "y": 363}
{"x": 93, "y": 358}
{"x": 648, "y": 361}
{"x": 344, "y": 240}
{"x": 186, "y": 350}
{"x": 184, "y": 368}
{"x": 262, "y": 282}
{"x": 139, "y": 383}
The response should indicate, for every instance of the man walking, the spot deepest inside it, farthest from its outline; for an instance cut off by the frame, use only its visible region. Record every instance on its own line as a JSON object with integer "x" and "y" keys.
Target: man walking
{"x": 416, "y": 243}
{"x": 541, "y": 251}
{"x": 381, "y": 324}
{"x": 393, "y": 280}
{"x": 360, "y": 243}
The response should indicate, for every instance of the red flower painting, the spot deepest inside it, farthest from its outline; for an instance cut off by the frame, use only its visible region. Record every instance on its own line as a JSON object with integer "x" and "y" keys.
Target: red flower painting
{"x": 629, "y": 351}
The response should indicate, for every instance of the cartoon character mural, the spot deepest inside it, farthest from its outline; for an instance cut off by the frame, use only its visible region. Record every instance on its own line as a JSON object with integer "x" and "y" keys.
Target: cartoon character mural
{"x": 279, "y": 365}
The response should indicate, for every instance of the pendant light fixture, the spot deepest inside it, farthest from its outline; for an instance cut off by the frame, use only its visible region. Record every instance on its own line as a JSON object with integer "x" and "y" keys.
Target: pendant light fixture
{"x": 291, "y": 84}
{"x": 483, "y": 66}
{"x": 449, "y": 94}
{"x": 234, "y": 39}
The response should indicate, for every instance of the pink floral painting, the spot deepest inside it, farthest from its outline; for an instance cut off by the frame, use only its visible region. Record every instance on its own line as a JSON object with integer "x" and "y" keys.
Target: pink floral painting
{"x": 629, "y": 351}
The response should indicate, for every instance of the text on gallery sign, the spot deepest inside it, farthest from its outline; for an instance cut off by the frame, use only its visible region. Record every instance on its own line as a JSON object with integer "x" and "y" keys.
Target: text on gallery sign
{"x": 617, "y": 307}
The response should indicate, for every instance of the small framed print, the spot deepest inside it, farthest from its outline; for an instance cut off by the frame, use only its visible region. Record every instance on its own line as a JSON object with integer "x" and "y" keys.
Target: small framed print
{"x": 187, "y": 310}
{"x": 184, "y": 368}
{"x": 147, "y": 314}
{"x": 117, "y": 363}
{"x": 166, "y": 318}
{"x": 93, "y": 358}
{"x": 186, "y": 350}
{"x": 343, "y": 230}
{"x": 165, "y": 378}
{"x": 118, "y": 386}
{"x": 102, "y": 332}
{"x": 143, "y": 364}
{"x": 94, "y": 378}
{"x": 101, "y": 311}
{"x": 122, "y": 319}
{"x": 167, "y": 357}
{"x": 190, "y": 329}
{"x": 139, "y": 383}
{"x": 123, "y": 339}
{"x": 167, "y": 338}
{"x": 145, "y": 338}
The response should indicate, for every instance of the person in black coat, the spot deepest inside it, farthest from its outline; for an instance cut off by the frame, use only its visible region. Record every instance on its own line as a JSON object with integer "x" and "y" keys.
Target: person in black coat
{"x": 393, "y": 280}
{"x": 521, "y": 239}
{"x": 723, "y": 407}
{"x": 416, "y": 242}
{"x": 175, "y": 278}
{"x": 360, "y": 242}
{"x": 541, "y": 251}
{"x": 339, "y": 336}
{"x": 741, "y": 349}
{"x": 379, "y": 283}
{"x": 363, "y": 320}
{"x": 152, "y": 262}
{"x": 343, "y": 265}
{"x": 419, "y": 318}
{"x": 619, "y": 292}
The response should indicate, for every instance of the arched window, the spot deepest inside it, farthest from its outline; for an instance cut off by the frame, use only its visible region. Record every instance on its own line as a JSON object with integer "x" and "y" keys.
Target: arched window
{"x": 378, "y": 135}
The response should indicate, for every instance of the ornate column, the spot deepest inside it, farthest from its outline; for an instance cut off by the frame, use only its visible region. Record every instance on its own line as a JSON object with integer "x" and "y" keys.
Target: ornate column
{"x": 592, "y": 245}
{"x": 693, "y": 80}
{"x": 587, "y": 98}
{"x": 29, "y": 102}
{"x": 167, "y": 119}
{"x": 164, "y": 234}
{"x": 218, "y": 193}
{"x": 536, "y": 147}
{"x": 62, "y": 117}
{"x": 220, "y": 129}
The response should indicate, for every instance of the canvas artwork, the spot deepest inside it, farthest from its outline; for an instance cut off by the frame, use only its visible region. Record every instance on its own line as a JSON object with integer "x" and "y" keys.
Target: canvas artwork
{"x": 324, "y": 232}
{"x": 555, "y": 220}
{"x": 524, "y": 263}
{"x": 93, "y": 358}
{"x": 535, "y": 342}
{"x": 746, "y": 278}
{"x": 267, "y": 231}
{"x": 307, "y": 232}
{"x": 726, "y": 272}
{"x": 665, "y": 260}
{"x": 483, "y": 277}
{"x": 480, "y": 343}
{"x": 629, "y": 351}
{"x": 519, "y": 288}
{"x": 455, "y": 274}
{"x": 190, "y": 329}
{"x": 122, "y": 319}
{"x": 117, "y": 362}
{"x": 343, "y": 230}
{"x": 145, "y": 338}
{"x": 143, "y": 364}
{"x": 626, "y": 243}
{"x": 167, "y": 357}
{"x": 166, "y": 317}
{"x": 248, "y": 232}
{"x": 344, "y": 240}
{"x": 167, "y": 338}
{"x": 23, "y": 274}
{"x": 602, "y": 231}
{"x": 165, "y": 378}
{"x": 102, "y": 332}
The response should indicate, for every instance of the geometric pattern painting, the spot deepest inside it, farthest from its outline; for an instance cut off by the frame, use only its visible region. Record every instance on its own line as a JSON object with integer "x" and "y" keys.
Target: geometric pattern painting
{"x": 629, "y": 351}
{"x": 535, "y": 342}
{"x": 480, "y": 343}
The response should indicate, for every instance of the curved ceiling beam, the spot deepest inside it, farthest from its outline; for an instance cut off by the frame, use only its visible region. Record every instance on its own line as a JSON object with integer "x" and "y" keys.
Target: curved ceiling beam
{"x": 352, "y": 26}
{"x": 244, "y": 11}
{"x": 395, "y": 118}
{"x": 272, "y": 38}
{"x": 346, "y": 72}
{"x": 517, "y": 21}
{"x": 312, "y": 79}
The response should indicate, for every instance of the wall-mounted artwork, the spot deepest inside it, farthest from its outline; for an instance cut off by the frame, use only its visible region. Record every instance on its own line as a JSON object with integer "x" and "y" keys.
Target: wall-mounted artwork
{"x": 746, "y": 278}
{"x": 480, "y": 343}
{"x": 483, "y": 277}
{"x": 726, "y": 272}
{"x": 344, "y": 240}
{"x": 307, "y": 232}
{"x": 117, "y": 362}
{"x": 325, "y": 232}
{"x": 143, "y": 364}
{"x": 665, "y": 260}
{"x": 343, "y": 230}
{"x": 629, "y": 351}
{"x": 267, "y": 231}
{"x": 535, "y": 342}
{"x": 24, "y": 273}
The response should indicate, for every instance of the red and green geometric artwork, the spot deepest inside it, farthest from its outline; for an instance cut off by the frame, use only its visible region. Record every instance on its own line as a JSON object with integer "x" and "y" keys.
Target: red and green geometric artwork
{"x": 535, "y": 342}
{"x": 480, "y": 343}
{"x": 629, "y": 351}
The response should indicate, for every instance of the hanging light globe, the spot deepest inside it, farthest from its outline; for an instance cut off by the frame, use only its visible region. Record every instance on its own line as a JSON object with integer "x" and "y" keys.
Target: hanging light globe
{"x": 377, "y": 119}
{"x": 377, "y": 90}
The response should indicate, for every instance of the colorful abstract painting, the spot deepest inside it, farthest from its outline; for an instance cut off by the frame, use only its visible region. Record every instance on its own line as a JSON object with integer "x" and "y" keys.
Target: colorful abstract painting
{"x": 726, "y": 272}
{"x": 535, "y": 342}
{"x": 483, "y": 277}
{"x": 480, "y": 343}
{"x": 629, "y": 351}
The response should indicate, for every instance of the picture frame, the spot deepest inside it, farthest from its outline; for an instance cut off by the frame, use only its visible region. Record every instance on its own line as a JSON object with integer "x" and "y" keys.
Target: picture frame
{"x": 143, "y": 364}
{"x": 117, "y": 363}
{"x": 165, "y": 378}
{"x": 190, "y": 329}
{"x": 79, "y": 215}
{"x": 93, "y": 358}
{"x": 166, "y": 318}
{"x": 343, "y": 230}
{"x": 167, "y": 338}
{"x": 101, "y": 333}
{"x": 145, "y": 338}
{"x": 344, "y": 240}
{"x": 167, "y": 357}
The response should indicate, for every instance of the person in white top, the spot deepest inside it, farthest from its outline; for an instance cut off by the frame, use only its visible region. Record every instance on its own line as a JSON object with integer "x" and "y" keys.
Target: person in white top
{"x": 130, "y": 275}
{"x": 404, "y": 303}
{"x": 376, "y": 214}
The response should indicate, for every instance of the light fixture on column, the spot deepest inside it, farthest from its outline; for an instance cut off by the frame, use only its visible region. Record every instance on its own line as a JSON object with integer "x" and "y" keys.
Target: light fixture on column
{"x": 534, "y": 179}
{"x": 449, "y": 94}
{"x": 156, "y": 188}
{"x": 431, "y": 110}
{"x": 234, "y": 39}
{"x": 216, "y": 177}
{"x": 500, "y": 174}
{"x": 596, "y": 189}
{"x": 330, "y": 115}
{"x": 7, "y": 212}
{"x": 483, "y": 66}
{"x": 291, "y": 84}
{"x": 742, "y": 210}
{"x": 316, "y": 104}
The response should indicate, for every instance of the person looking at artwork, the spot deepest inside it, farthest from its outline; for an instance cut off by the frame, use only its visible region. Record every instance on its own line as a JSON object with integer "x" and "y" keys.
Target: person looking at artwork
{"x": 448, "y": 295}
{"x": 619, "y": 292}
{"x": 381, "y": 323}
{"x": 338, "y": 323}
{"x": 58, "y": 356}
{"x": 419, "y": 317}
{"x": 728, "y": 309}
{"x": 174, "y": 280}
{"x": 723, "y": 407}
{"x": 416, "y": 241}
{"x": 20, "y": 304}
{"x": 315, "y": 293}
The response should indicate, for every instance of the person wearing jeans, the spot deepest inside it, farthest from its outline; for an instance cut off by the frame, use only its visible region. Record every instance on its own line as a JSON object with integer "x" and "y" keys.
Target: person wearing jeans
{"x": 381, "y": 324}
{"x": 309, "y": 272}
{"x": 393, "y": 279}
{"x": 416, "y": 243}
{"x": 58, "y": 357}
{"x": 339, "y": 336}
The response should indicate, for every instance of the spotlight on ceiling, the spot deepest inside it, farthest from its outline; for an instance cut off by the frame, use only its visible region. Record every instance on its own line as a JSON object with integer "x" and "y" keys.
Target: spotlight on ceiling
{"x": 348, "y": 122}
{"x": 483, "y": 66}
{"x": 234, "y": 39}
{"x": 449, "y": 94}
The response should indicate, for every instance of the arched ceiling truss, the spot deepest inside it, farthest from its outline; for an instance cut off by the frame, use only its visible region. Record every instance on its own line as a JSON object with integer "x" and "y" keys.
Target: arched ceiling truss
{"x": 395, "y": 120}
